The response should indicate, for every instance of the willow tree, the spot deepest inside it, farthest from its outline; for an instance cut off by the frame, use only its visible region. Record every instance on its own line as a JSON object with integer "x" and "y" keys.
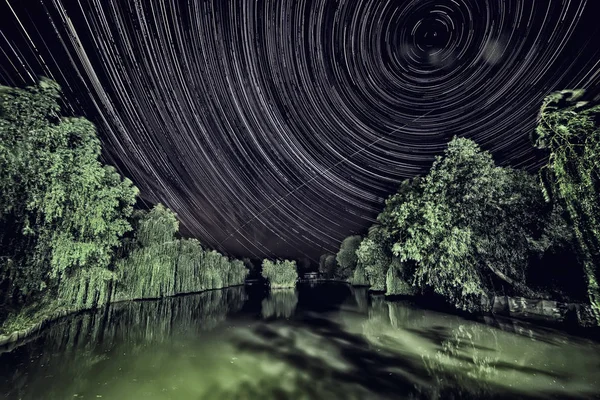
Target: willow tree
{"x": 569, "y": 128}
{"x": 159, "y": 264}
{"x": 280, "y": 273}
{"x": 63, "y": 212}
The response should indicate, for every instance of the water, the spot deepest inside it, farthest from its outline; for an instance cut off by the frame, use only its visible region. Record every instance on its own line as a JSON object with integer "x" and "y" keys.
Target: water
{"x": 323, "y": 341}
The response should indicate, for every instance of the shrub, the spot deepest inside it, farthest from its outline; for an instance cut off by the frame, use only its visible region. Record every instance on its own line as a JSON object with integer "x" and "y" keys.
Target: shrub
{"x": 281, "y": 274}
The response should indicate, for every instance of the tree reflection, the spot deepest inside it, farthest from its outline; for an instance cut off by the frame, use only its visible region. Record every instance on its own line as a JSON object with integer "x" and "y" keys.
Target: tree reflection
{"x": 281, "y": 303}
{"x": 79, "y": 345}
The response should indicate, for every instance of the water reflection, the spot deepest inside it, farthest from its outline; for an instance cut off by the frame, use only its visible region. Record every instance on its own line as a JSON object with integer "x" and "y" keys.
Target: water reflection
{"x": 319, "y": 342}
{"x": 75, "y": 348}
{"x": 280, "y": 303}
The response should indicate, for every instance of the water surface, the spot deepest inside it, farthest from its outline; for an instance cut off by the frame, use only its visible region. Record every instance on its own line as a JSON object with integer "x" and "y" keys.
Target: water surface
{"x": 325, "y": 341}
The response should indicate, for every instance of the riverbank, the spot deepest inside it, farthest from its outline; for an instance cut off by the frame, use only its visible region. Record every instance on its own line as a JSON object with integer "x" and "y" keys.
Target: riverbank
{"x": 324, "y": 341}
{"x": 17, "y": 328}
{"x": 542, "y": 310}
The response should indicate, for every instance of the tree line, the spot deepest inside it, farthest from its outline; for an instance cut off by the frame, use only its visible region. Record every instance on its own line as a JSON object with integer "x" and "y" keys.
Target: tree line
{"x": 70, "y": 236}
{"x": 471, "y": 229}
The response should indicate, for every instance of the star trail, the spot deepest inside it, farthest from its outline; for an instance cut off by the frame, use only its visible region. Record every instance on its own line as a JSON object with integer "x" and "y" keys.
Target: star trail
{"x": 278, "y": 127}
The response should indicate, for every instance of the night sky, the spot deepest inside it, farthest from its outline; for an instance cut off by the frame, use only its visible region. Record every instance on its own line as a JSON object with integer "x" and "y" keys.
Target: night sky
{"x": 278, "y": 127}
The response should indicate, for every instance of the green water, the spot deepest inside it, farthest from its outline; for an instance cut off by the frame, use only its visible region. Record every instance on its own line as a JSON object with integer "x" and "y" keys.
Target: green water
{"x": 316, "y": 342}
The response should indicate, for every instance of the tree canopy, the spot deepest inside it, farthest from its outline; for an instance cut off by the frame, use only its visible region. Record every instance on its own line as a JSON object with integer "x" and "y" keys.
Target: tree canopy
{"x": 473, "y": 224}
{"x": 569, "y": 129}
{"x": 70, "y": 237}
{"x": 346, "y": 257}
{"x": 61, "y": 208}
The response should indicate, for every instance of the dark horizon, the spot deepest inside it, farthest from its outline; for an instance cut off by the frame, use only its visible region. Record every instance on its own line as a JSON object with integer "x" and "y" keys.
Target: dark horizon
{"x": 273, "y": 131}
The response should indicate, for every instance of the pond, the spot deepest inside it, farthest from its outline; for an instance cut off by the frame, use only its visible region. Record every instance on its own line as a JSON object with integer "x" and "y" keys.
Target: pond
{"x": 320, "y": 341}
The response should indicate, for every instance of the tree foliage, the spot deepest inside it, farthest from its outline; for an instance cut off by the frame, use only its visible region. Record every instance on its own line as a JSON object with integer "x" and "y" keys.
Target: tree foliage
{"x": 375, "y": 254}
{"x": 327, "y": 266}
{"x": 159, "y": 264}
{"x": 398, "y": 279}
{"x": 472, "y": 224}
{"x": 65, "y": 218}
{"x": 346, "y": 258}
{"x": 569, "y": 128}
{"x": 61, "y": 209}
{"x": 373, "y": 258}
{"x": 280, "y": 273}
{"x": 464, "y": 230}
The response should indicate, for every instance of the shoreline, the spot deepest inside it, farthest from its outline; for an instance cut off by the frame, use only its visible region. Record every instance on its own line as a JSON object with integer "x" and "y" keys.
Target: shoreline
{"x": 560, "y": 321}
{"x": 36, "y": 327}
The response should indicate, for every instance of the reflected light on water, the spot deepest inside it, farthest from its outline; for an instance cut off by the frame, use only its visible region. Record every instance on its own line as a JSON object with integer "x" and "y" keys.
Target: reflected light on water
{"x": 316, "y": 342}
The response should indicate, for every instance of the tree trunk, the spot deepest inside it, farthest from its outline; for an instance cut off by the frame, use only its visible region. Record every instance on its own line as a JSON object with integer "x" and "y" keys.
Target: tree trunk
{"x": 517, "y": 285}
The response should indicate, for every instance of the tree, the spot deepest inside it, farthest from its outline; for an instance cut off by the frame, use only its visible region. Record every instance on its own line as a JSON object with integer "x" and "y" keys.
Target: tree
{"x": 327, "y": 265}
{"x": 159, "y": 264}
{"x": 470, "y": 225}
{"x": 375, "y": 251}
{"x": 253, "y": 269}
{"x": 65, "y": 216}
{"x": 569, "y": 128}
{"x": 398, "y": 278}
{"x": 63, "y": 211}
{"x": 346, "y": 257}
{"x": 281, "y": 274}
{"x": 304, "y": 265}
{"x": 374, "y": 260}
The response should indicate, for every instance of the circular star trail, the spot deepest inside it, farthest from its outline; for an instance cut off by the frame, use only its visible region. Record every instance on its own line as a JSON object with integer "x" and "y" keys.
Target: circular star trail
{"x": 277, "y": 127}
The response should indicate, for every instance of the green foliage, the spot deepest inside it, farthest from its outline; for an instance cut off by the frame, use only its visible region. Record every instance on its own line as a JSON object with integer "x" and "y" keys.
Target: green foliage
{"x": 87, "y": 288}
{"x": 327, "y": 266}
{"x": 161, "y": 265}
{"x": 158, "y": 226}
{"x": 281, "y": 274}
{"x": 397, "y": 280}
{"x": 374, "y": 259}
{"x": 64, "y": 216}
{"x": 375, "y": 254}
{"x": 466, "y": 228}
{"x": 359, "y": 278}
{"x": 470, "y": 224}
{"x": 62, "y": 210}
{"x": 346, "y": 258}
{"x": 569, "y": 128}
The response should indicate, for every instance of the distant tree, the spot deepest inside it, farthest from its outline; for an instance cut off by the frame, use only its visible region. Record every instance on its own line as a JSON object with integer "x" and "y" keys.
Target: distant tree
{"x": 346, "y": 257}
{"x": 253, "y": 269}
{"x": 322, "y": 263}
{"x": 304, "y": 265}
{"x": 327, "y": 265}
{"x": 569, "y": 128}
{"x": 281, "y": 274}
